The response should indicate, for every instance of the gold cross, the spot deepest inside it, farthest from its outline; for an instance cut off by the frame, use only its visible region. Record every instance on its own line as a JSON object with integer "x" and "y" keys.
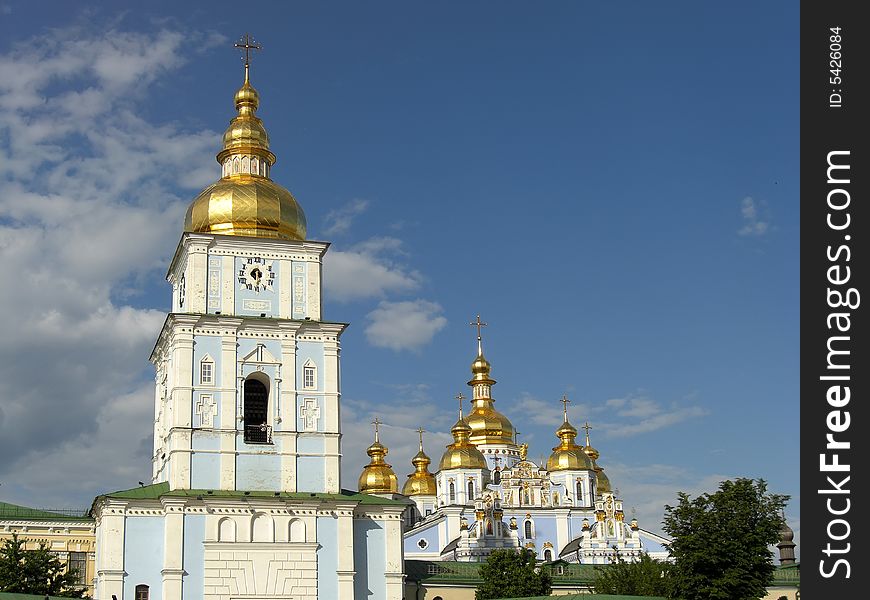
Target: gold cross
{"x": 377, "y": 422}
{"x": 478, "y": 323}
{"x": 460, "y": 397}
{"x": 565, "y": 402}
{"x": 420, "y": 430}
{"x": 246, "y": 44}
{"x": 587, "y": 427}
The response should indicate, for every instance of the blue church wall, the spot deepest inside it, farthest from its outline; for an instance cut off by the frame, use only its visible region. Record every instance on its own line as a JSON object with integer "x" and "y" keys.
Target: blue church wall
{"x": 310, "y": 474}
{"x": 258, "y": 472}
{"x": 369, "y": 560}
{"x": 310, "y": 444}
{"x": 143, "y": 556}
{"x": 299, "y": 272}
{"x": 206, "y": 345}
{"x": 327, "y": 557}
{"x": 205, "y": 441}
{"x": 430, "y": 534}
{"x": 312, "y": 351}
{"x": 194, "y": 557}
{"x": 205, "y": 471}
{"x": 249, "y": 302}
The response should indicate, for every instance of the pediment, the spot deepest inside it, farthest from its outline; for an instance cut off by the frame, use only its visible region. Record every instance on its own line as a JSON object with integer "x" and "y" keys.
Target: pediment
{"x": 260, "y": 356}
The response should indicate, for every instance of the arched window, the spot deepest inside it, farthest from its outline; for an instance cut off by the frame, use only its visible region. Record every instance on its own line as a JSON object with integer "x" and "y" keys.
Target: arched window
{"x": 141, "y": 592}
{"x": 470, "y": 491}
{"x": 496, "y": 476}
{"x": 452, "y": 492}
{"x": 256, "y": 412}
{"x": 528, "y": 496}
{"x": 488, "y": 527}
{"x": 527, "y": 529}
{"x": 548, "y": 555}
{"x": 579, "y": 492}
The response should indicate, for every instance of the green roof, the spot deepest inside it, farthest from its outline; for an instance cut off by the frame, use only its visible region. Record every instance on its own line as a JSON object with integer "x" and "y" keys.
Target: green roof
{"x": 17, "y": 596}
{"x": 161, "y": 490}
{"x": 14, "y": 511}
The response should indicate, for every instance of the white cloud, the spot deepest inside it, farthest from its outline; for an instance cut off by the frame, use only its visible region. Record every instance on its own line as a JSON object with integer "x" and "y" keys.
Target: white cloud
{"x": 92, "y": 196}
{"x": 406, "y": 325}
{"x": 753, "y": 224}
{"x": 339, "y": 220}
{"x": 368, "y": 270}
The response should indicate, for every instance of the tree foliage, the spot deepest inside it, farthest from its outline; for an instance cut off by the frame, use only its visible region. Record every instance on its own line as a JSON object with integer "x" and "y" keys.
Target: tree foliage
{"x": 38, "y": 572}
{"x": 511, "y": 574}
{"x": 645, "y": 577}
{"x": 721, "y": 541}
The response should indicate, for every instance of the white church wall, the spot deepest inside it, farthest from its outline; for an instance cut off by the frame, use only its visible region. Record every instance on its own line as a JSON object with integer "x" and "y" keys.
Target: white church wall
{"x": 327, "y": 557}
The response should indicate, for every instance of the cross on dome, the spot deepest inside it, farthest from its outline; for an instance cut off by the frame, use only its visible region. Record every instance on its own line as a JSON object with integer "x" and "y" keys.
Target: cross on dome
{"x": 460, "y": 397}
{"x": 377, "y": 423}
{"x": 565, "y": 402}
{"x": 247, "y": 43}
{"x": 479, "y": 324}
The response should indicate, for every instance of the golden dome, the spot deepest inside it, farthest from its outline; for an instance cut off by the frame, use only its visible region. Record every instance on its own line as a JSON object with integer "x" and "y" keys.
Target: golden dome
{"x": 421, "y": 482}
{"x": 245, "y": 201}
{"x": 377, "y": 477}
{"x": 568, "y": 456}
{"x": 603, "y": 483}
{"x": 462, "y": 454}
{"x": 588, "y": 449}
{"x": 488, "y": 426}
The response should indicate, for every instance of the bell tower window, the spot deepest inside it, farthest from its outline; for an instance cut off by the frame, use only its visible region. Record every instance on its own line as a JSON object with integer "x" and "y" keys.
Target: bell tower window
{"x": 452, "y": 492}
{"x": 309, "y": 376}
{"x": 470, "y": 491}
{"x": 206, "y": 371}
{"x": 256, "y": 413}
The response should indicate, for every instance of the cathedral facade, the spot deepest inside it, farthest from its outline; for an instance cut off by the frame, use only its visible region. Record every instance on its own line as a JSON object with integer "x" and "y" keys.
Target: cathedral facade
{"x": 486, "y": 494}
{"x": 245, "y": 499}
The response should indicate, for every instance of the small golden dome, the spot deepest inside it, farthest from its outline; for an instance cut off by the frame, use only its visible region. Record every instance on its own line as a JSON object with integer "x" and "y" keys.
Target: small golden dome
{"x": 488, "y": 426}
{"x": 421, "y": 482}
{"x": 603, "y": 483}
{"x": 568, "y": 456}
{"x": 245, "y": 201}
{"x": 588, "y": 449}
{"x": 462, "y": 454}
{"x": 377, "y": 477}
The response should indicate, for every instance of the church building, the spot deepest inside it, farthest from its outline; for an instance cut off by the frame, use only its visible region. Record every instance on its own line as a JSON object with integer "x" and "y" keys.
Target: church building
{"x": 487, "y": 494}
{"x": 245, "y": 499}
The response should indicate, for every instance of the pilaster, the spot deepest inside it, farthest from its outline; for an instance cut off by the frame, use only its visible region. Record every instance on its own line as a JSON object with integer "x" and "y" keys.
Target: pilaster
{"x": 345, "y": 571}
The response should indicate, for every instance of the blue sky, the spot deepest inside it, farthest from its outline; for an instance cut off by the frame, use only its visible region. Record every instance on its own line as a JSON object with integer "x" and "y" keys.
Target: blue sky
{"x": 612, "y": 186}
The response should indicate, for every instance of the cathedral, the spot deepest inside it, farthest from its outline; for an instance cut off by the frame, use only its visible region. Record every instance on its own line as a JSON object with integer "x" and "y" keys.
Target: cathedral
{"x": 245, "y": 499}
{"x": 486, "y": 494}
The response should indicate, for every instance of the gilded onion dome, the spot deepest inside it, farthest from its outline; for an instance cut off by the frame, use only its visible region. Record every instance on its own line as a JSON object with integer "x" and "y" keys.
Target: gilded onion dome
{"x": 462, "y": 454}
{"x": 488, "y": 426}
{"x": 421, "y": 482}
{"x": 601, "y": 480}
{"x": 568, "y": 456}
{"x": 245, "y": 201}
{"x": 377, "y": 477}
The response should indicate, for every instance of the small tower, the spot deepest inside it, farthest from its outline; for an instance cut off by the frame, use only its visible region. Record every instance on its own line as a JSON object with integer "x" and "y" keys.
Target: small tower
{"x": 491, "y": 431}
{"x": 462, "y": 467}
{"x": 602, "y": 483}
{"x": 378, "y": 477}
{"x": 786, "y": 544}
{"x": 570, "y": 466}
{"x": 421, "y": 486}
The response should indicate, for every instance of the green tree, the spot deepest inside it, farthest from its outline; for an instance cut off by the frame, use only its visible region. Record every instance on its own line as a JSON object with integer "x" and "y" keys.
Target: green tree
{"x": 37, "y": 572}
{"x": 721, "y": 541}
{"x": 511, "y": 574}
{"x": 645, "y": 577}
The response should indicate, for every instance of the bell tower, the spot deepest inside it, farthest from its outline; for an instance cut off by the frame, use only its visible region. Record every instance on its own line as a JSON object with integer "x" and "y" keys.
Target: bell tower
{"x": 247, "y": 370}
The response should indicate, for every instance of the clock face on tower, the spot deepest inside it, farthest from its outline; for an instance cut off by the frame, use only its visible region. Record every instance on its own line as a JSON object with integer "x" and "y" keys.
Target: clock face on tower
{"x": 256, "y": 275}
